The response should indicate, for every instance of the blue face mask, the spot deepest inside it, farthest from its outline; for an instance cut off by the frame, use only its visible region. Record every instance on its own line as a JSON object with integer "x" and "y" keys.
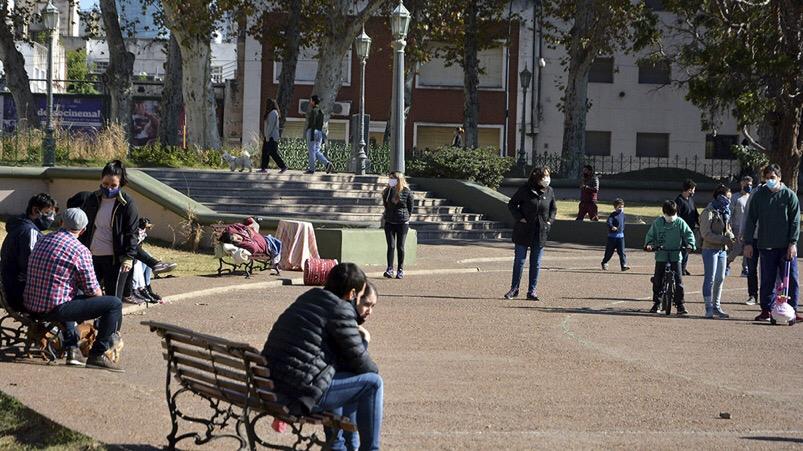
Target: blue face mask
{"x": 772, "y": 183}
{"x": 108, "y": 192}
{"x": 748, "y": 188}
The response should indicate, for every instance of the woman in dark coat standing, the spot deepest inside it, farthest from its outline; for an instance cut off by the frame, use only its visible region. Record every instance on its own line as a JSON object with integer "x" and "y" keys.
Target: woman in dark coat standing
{"x": 533, "y": 208}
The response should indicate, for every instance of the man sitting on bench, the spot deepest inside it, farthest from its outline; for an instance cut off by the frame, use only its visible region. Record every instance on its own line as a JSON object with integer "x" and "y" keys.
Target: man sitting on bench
{"x": 246, "y": 236}
{"x": 59, "y": 266}
{"x": 317, "y": 333}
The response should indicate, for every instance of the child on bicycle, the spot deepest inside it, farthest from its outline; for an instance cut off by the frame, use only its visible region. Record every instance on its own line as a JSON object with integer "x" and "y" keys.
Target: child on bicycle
{"x": 616, "y": 236}
{"x": 667, "y": 235}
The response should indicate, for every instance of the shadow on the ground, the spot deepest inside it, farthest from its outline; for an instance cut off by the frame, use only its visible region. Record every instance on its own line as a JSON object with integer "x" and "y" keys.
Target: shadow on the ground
{"x": 131, "y": 447}
{"x": 774, "y": 439}
{"x": 466, "y": 298}
{"x": 613, "y": 312}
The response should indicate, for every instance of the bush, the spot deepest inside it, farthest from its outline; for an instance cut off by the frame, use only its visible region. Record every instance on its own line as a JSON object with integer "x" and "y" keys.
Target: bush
{"x": 483, "y": 166}
{"x": 155, "y": 155}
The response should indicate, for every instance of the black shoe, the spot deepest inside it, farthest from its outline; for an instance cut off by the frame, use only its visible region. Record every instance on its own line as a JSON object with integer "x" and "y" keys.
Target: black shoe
{"x": 143, "y": 294}
{"x": 153, "y": 294}
{"x": 102, "y": 362}
{"x": 655, "y": 308}
{"x": 532, "y": 297}
{"x": 512, "y": 294}
{"x": 681, "y": 311}
{"x": 330, "y": 168}
{"x": 309, "y": 172}
{"x": 74, "y": 357}
{"x": 686, "y": 272}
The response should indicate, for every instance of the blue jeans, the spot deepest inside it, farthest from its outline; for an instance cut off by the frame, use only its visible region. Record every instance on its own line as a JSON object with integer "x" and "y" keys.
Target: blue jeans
{"x": 363, "y": 391}
{"x": 535, "y": 266}
{"x": 714, "y": 263}
{"x": 773, "y": 265}
{"x": 618, "y": 245}
{"x": 108, "y": 309}
{"x": 314, "y": 140}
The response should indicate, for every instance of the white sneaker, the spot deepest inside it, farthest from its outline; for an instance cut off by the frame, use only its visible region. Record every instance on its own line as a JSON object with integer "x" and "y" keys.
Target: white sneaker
{"x": 751, "y": 301}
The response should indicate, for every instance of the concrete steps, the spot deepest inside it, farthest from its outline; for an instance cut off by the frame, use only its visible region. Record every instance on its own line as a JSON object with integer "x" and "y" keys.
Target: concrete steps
{"x": 336, "y": 197}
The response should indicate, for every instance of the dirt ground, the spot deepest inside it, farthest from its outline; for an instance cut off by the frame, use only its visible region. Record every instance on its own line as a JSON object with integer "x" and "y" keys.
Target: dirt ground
{"x": 465, "y": 369}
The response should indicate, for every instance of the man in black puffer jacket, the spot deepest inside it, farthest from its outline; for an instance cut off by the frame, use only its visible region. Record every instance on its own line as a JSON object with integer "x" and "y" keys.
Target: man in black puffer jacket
{"x": 318, "y": 331}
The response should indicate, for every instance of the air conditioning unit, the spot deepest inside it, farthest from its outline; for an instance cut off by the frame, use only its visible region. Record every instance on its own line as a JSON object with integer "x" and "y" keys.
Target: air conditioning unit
{"x": 338, "y": 109}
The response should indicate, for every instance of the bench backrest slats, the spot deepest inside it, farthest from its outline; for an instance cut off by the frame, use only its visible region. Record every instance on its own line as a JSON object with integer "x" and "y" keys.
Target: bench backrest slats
{"x": 186, "y": 374}
{"x": 200, "y": 342}
{"x": 234, "y": 375}
{"x": 261, "y": 371}
{"x": 218, "y": 358}
{"x": 262, "y": 383}
{"x": 21, "y": 318}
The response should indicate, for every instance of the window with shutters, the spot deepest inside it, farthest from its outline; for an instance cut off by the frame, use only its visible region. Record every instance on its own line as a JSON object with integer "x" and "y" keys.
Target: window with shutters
{"x": 434, "y": 136}
{"x": 652, "y": 145}
{"x": 598, "y": 143}
{"x": 601, "y": 70}
{"x": 654, "y": 73}
{"x": 307, "y": 67}
{"x": 436, "y": 74}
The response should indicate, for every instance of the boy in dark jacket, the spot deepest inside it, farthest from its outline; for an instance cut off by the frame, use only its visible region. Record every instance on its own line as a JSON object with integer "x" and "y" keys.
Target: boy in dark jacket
{"x": 616, "y": 236}
{"x": 687, "y": 211}
{"x": 317, "y": 357}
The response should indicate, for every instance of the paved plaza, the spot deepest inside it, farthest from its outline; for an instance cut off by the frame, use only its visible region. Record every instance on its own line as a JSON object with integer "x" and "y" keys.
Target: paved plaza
{"x": 465, "y": 369}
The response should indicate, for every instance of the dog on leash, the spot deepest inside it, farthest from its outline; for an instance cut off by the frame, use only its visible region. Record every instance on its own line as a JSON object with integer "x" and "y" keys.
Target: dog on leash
{"x": 242, "y": 162}
{"x": 44, "y": 341}
{"x": 87, "y": 334}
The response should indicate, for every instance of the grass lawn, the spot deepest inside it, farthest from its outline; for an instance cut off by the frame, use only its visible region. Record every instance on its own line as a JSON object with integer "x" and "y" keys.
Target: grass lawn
{"x": 647, "y": 212}
{"x": 23, "y": 429}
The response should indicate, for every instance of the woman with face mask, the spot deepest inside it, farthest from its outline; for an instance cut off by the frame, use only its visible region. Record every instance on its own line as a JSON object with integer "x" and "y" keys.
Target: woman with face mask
{"x": 112, "y": 234}
{"x": 398, "y": 202}
{"x": 715, "y": 228}
{"x": 533, "y": 208}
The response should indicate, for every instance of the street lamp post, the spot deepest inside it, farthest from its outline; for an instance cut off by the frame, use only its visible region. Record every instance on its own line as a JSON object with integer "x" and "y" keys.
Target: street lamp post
{"x": 362, "y": 46}
{"x": 399, "y": 22}
{"x": 50, "y": 20}
{"x": 525, "y": 76}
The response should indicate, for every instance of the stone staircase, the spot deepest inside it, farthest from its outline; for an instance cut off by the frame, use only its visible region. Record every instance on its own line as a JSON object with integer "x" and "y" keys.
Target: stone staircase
{"x": 335, "y": 197}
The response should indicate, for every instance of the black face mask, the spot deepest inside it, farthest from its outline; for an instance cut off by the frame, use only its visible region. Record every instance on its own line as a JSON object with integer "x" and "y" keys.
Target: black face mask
{"x": 43, "y": 222}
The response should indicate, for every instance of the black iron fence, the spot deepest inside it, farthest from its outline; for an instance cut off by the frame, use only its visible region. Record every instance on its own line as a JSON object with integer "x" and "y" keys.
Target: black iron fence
{"x": 610, "y": 164}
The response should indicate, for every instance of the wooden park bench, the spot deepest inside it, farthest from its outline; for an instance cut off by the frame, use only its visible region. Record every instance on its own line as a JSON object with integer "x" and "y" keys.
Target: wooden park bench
{"x": 226, "y": 262}
{"x": 19, "y": 332}
{"x": 234, "y": 380}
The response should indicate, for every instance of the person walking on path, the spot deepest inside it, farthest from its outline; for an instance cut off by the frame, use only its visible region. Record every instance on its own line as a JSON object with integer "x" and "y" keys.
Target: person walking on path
{"x": 398, "y": 202}
{"x": 534, "y": 209}
{"x": 314, "y": 135}
{"x": 616, "y": 236}
{"x": 458, "y": 137}
{"x": 717, "y": 236}
{"x": 687, "y": 211}
{"x": 113, "y": 231}
{"x": 776, "y": 208}
{"x": 270, "y": 144}
{"x": 738, "y": 207}
{"x": 589, "y": 191}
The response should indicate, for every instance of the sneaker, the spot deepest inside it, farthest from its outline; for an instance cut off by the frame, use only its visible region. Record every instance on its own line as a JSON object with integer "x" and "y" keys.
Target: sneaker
{"x": 512, "y": 294}
{"x": 153, "y": 294}
{"x": 604, "y": 266}
{"x": 283, "y": 170}
{"x": 74, "y": 357}
{"x": 532, "y": 297}
{"x": 625, "y": 268}
{"x": 681, "y": 311}
{"x": 721, "y": 314}
{"x": 330, "y": 168}
{"x": 142, "y": 293}
{"x": 388, "y": 274}
{"x": 133, "y": 300}
{"x": 764, "y": 316}
{"x": 309, "y": 172}
{"x": 103, "y": 363}
{"x": 656, "y": 308}
{"x": 751, "y": 300}
{"x": 400, "y": 274}
{"x": 163, "y": 267}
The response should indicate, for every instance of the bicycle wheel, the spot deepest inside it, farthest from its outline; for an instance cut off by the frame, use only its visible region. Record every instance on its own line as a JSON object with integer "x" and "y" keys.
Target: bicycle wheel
{"x": 669, "y": 294}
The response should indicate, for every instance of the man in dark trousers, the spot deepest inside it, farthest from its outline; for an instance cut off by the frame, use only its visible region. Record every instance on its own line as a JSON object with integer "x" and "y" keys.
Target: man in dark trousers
{"x": 776, "y": 210}
{"x": 687, "y": 211}
{"x": 317, "y": 357}
{"x": 589, "y": 189}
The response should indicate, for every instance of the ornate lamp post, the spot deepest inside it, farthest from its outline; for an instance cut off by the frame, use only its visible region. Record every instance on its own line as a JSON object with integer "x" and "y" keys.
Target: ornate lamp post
{"x": 399, "y": 23}
{"x": 525, "y": 76}
{"x": 50, "y": 20}
{"x": 362, "y": 46}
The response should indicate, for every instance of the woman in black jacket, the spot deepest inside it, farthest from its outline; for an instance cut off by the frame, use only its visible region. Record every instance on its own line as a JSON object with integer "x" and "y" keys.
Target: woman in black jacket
{"x": 112, "y": 234}
{"x": 533, "y": 208}
{"x": 398, "y": 201}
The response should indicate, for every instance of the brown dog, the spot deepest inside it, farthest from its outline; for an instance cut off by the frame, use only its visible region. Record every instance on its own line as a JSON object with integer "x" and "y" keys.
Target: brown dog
{"x": 87, "y": 334}
{"x": 44, "y": 341}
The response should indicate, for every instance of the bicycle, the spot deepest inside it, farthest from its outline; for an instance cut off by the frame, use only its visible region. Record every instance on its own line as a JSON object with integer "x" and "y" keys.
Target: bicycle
{"x": 667, "y": 293}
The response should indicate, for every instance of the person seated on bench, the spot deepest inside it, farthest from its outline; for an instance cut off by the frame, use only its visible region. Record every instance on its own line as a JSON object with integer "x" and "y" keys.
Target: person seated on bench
{"x": 317, "y": 334}
{"x": 246, "y": 236}
{"x": 59, "y": 266}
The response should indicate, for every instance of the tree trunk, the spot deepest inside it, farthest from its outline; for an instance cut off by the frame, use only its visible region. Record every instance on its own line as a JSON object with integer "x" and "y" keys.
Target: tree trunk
{"x": 329, "y": 77}
{"x": 200, "y": 107}
{"x": 17, "y": 79}
{"x": 783, "y": 147}
{"x": 471, "y": 71}
{"x": 172, "y": 99}
{"x": 121, "y": 67}
{"x": 292, "y": 43}
{"x": 575, "y": 100}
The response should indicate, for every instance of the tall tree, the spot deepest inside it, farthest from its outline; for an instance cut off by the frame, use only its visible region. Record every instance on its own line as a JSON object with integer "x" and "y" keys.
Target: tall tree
{"x": 120, "y": 72}
{"x": 745, "y": 58}
{"x": 588, "y": 29}
{"x": 172, "y": 95}
{"x": 13, "y": 18}
{"x": 288, "y": 53}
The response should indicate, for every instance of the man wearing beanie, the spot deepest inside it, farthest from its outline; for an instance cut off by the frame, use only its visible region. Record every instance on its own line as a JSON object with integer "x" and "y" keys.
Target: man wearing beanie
{"x": 58, "y": 267}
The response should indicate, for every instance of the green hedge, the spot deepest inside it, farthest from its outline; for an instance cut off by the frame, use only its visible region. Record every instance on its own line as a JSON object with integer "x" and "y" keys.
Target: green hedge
{"x": 294, "y": 153}
{"x": 483, "y": 166}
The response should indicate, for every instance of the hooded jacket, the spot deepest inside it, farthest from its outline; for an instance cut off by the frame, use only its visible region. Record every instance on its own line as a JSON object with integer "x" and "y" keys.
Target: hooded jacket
{"x": 317, "y": 333}
{"x": 125, "y": 225}
{"x": 22, "y": 235}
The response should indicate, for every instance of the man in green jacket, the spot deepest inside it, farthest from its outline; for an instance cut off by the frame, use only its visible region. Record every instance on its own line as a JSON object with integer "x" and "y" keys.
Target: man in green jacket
{"x": 777, "y": 209}
{"x": 313, "y": 132}
{"x": 667, "y": 236}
